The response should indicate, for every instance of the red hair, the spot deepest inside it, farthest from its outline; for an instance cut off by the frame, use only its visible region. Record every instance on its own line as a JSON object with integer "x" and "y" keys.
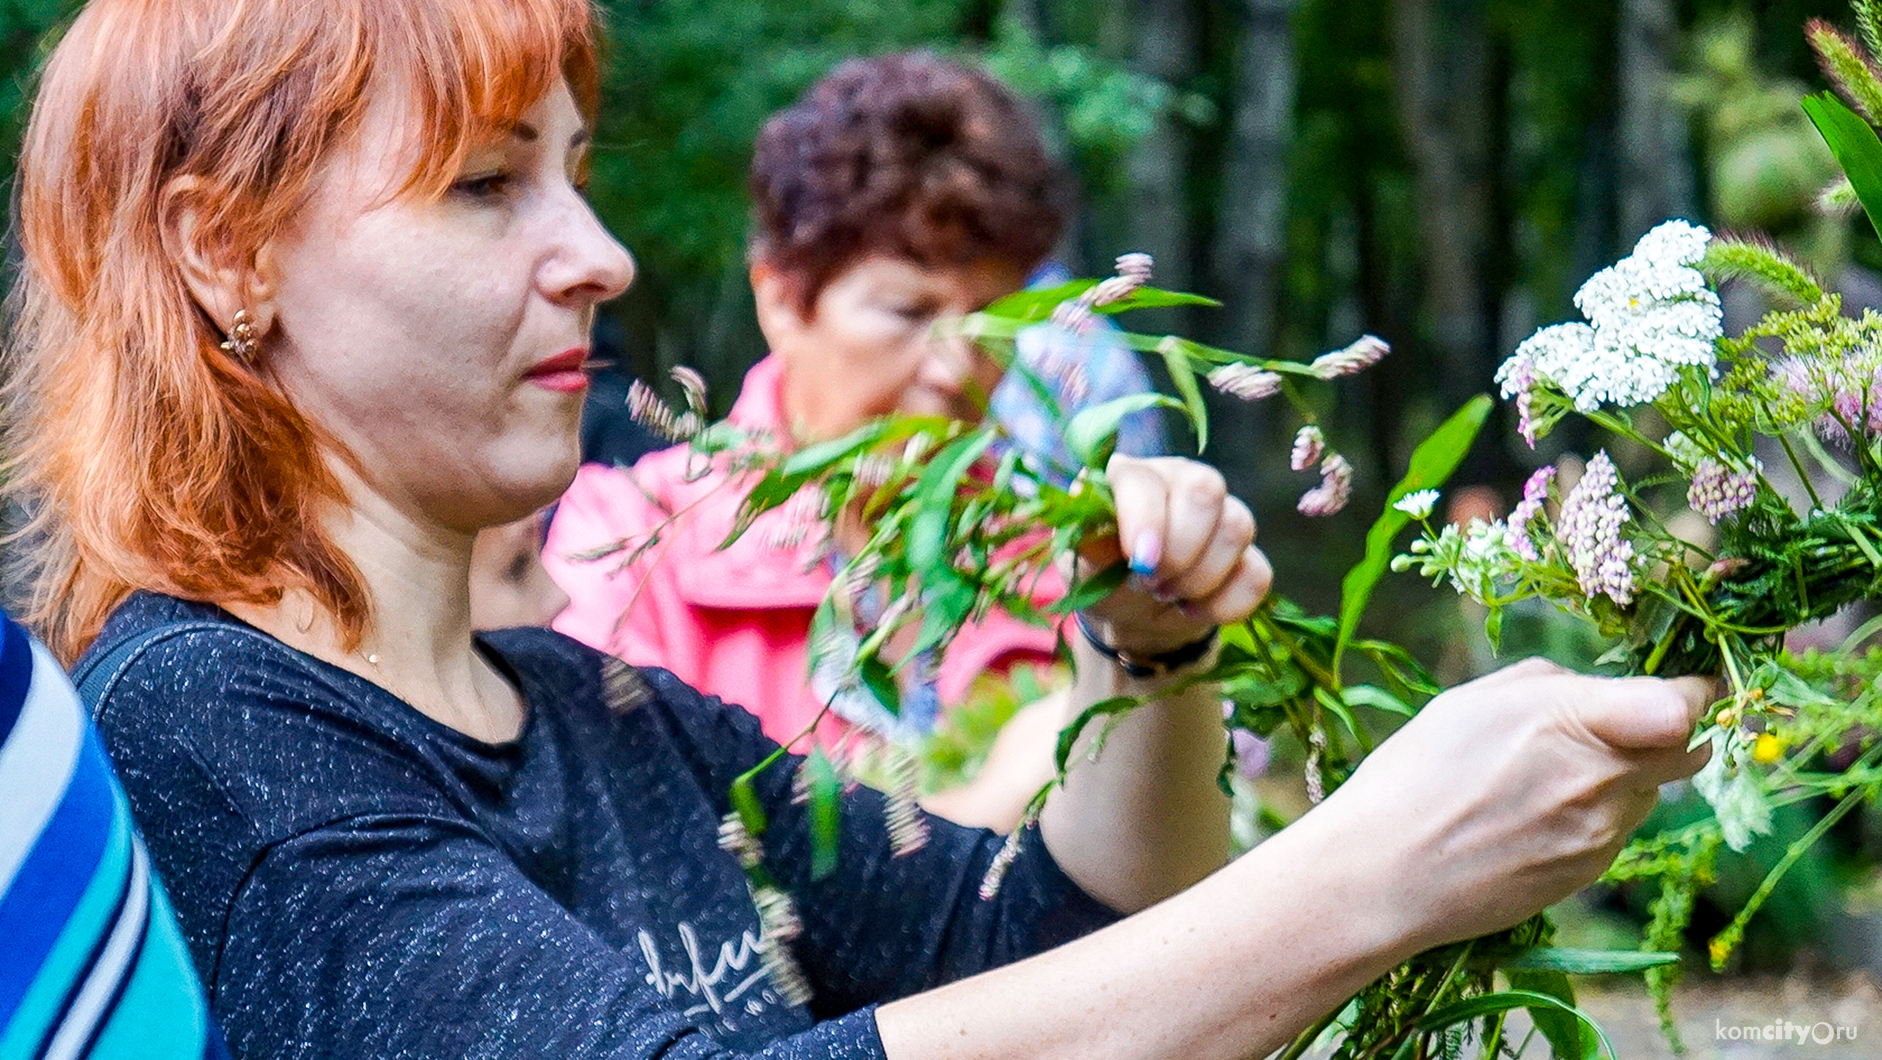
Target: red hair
{"x": 146, "y": 457}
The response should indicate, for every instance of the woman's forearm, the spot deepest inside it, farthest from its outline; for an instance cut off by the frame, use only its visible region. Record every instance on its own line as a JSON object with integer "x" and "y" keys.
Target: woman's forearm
{"x": 1146, "y": 818}
{"x": 1234, "y": 967}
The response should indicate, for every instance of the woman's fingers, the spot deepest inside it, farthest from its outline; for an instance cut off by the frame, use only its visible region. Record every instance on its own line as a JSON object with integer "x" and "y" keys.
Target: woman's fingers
{"x": 1197, "y": 497}
{"x": 1142, "y": 498}
{"x": 1210, "y": 569}
{"x": 1190, "y": 546}
{"x": 1239, "y": 592}
{"x": 1647, "y": 714}
{"x": 1180, "y": 529}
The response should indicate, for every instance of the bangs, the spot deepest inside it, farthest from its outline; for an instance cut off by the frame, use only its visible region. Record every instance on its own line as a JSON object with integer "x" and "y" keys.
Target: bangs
{"x": 145, "y": 455}
{"x": 476, "y": 66}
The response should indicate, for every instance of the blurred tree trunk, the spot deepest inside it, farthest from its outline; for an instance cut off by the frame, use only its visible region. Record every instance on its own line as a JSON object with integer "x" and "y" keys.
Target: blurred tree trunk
{"x": 1655, "y": 179}
{"x": 1250, "y": 238}
{"x": 1167, "y": 41}
{"x": 1251, "y": 230}
{"x": 1441, "y": 59}
{"x": 1034, "y": 19}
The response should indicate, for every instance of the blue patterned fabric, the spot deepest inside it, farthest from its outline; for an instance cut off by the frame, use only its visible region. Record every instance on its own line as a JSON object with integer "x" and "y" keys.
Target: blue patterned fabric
{"x": 1079, "y": 371}
{"x": 91, "y": 961}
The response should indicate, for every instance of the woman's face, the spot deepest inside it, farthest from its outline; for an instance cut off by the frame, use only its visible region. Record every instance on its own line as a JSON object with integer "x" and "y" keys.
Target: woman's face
{"x": 870, "y": 345}
{"x": 442, "y": 340}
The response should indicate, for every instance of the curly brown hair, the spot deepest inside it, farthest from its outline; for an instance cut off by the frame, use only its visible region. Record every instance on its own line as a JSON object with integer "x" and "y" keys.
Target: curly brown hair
{"x": 910, "y": 155}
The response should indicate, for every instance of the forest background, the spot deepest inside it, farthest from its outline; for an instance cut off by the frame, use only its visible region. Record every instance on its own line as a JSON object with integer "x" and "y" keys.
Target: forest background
{"x": 1441, "y": 173}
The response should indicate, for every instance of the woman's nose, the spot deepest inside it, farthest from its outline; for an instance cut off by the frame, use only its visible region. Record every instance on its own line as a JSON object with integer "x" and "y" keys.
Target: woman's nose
{"x": 951, "y": 356}
{"x": 590, "y": 266}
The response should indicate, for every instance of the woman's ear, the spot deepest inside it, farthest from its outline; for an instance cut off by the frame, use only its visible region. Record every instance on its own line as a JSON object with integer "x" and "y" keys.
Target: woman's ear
{"x": 776, "y": 294}
{"x": 221, "y": 283}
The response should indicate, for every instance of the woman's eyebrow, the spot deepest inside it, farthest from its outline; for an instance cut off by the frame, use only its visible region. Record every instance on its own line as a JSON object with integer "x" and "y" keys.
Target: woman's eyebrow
{"x": 529, "y": 134}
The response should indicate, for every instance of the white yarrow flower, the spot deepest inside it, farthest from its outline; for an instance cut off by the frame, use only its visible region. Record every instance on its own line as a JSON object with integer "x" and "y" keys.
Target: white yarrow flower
{"x": 1418, "y": 504}
{"x": 1649, "y": 315}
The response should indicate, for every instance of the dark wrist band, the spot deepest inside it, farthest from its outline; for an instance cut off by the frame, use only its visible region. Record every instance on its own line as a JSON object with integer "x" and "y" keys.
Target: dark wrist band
{"x": 1158, "y": 665}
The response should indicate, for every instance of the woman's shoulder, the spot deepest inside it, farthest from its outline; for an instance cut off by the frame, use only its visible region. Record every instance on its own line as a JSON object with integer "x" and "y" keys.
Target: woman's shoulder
{"x": 190, "y": 699}
{"x": 162, "y": 650}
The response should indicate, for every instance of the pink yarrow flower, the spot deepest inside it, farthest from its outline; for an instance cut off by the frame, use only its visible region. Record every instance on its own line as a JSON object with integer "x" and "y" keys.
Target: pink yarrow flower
{"x": 1851, "y": 386}
{"x": 1590, "y": 532}
{"x": 1535, "y": 495}
{"x": 1718, "y": 491}
{"x": 1518, "y": 379}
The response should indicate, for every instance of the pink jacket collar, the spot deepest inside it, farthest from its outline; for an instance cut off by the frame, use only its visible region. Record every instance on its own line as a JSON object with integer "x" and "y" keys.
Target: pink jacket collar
{"x": 749, "y": 575}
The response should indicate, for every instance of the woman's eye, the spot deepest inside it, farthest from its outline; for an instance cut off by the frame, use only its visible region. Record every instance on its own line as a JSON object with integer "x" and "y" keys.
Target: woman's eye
{"x": 482, "y": 185}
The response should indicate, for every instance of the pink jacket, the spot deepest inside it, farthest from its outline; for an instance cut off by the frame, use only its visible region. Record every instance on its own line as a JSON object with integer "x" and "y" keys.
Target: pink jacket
{"x": 734, "y": 623}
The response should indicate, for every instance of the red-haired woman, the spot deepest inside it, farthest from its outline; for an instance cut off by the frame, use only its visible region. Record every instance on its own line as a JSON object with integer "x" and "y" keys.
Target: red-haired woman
{"x": 306, "y": 290}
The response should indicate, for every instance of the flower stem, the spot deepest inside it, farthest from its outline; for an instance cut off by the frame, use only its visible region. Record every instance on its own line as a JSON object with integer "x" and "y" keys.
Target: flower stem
{"x": 1803, "y": 475}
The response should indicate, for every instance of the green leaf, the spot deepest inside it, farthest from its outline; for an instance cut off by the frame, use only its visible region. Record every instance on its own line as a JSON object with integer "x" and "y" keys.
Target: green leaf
{"x": 1038, "y": 305}
{"x": 1475, "y": 1008}
{"x": 1338, "y": 708}
{"x": 945, "y": 606}
{"x": 826, "y": 812}
{"x": 1853, "y": 141}
{"x": 1586, "y": 962}
{"x": 751, "y": 812}
{"x": 1156, "y": 298}
{"x": 880, "y": 681}
{"x": 1003, "y": 473}
{"x": 1568, "y": 1040}
{"x": 1092, "y": 588}
{"x": 1069, "y": 735}
{"x": 819, "y": 457}
{"x": 1378, "y": 699}
{"x": 1183, "y": 374}
{"x": 1431, "y": 465}
{"x": 934, "y": 504}
{"x": 1399, "y": 667}
{"x": 1092, "y": 434}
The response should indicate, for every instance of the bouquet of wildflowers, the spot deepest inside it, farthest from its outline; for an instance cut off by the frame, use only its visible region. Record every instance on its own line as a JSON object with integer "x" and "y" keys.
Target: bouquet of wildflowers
{"x": 1772, "y": 439}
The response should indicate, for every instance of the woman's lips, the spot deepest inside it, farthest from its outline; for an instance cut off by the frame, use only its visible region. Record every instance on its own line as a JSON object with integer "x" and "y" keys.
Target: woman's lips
{"x": 565, "y": 373}
{"x": 561, "y": 382}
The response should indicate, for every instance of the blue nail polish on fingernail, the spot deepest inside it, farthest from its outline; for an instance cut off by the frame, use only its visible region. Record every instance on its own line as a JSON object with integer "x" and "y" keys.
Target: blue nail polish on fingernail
{"x": 1144, "y": 556}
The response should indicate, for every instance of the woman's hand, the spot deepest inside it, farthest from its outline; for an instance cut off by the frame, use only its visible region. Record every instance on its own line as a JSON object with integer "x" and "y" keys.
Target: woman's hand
{"x": 1192, "y": 555}
{"x": 1145, "y": 818}
{"x": 1501, "y": 797}
{"x": 1506, "y": 794}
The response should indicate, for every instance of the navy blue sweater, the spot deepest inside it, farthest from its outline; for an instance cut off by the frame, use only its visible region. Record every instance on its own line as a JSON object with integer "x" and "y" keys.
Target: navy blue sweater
{"x": 357, "y": 880}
